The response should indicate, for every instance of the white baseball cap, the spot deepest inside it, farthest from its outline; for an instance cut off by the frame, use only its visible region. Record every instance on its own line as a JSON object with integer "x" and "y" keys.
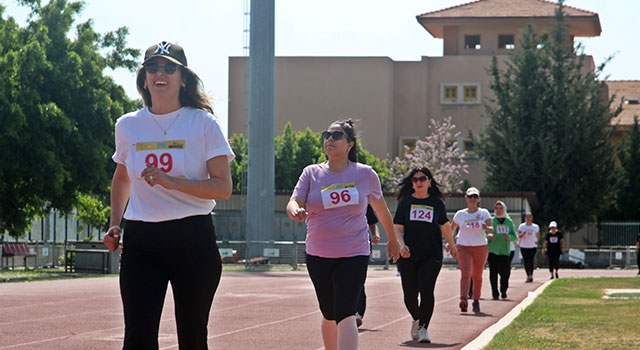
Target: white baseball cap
{"x": 472, "y": 190}
{"x": 553, "y": 224}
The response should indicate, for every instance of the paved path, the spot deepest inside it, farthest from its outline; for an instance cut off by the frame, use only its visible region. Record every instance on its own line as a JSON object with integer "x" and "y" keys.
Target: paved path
{"x": 274, "y": 310}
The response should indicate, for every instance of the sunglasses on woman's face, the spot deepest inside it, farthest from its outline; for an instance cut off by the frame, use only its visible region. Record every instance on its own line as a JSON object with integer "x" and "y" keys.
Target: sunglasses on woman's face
{"x": 153, "y": 68}
{"x": 336, "y": 135}
{"x": 473, "y": 196}
{"x": 419, "y": 179}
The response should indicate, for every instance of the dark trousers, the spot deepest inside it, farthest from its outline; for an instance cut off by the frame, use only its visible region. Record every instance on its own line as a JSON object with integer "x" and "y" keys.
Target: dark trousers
{"x": 528, "y": 255}
{"x": 362, "y": 303}
{"x": 554, "y": 259}
{"x": 499, "y": 266}
{"x": 338, "y": 282}
{"x": 419, "y": 278}
{"x": 181, "y": 252}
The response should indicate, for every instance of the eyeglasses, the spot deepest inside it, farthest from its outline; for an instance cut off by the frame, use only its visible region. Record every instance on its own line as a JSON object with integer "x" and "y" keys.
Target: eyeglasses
{"x": 336, "y": 135}
{"x": 422, "y": 178}
{"x": 153, "y": 68}
{"x": 473, "y": 196}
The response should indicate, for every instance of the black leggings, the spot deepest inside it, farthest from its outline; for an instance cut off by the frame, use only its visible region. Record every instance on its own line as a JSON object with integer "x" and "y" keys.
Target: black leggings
{"x": 419, "y": 277}
{"x": 528, "y": 255}
{"x": 554, "y": 259}
{"x": 338, "y": 282}
{"x": 181, "y": 252}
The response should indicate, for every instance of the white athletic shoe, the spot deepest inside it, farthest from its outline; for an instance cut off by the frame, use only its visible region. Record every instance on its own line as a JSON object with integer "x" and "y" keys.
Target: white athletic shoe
{"x": 423, "y": 336}
{"x": 415, "y": 328}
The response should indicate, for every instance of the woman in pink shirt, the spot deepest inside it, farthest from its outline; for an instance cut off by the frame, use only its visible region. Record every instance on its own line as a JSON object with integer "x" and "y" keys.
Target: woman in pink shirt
{"x": 332, "y": 197}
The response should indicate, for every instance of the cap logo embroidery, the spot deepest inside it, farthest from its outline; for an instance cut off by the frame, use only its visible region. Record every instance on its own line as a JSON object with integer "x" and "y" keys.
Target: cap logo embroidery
{"x": 163, "y": 48}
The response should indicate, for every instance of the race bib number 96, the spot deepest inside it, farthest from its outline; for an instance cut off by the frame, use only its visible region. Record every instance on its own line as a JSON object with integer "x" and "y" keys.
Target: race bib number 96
{"x": 421, "y": 213}
{"x": 339, "y": 195}
{"x": 167, "y": 156}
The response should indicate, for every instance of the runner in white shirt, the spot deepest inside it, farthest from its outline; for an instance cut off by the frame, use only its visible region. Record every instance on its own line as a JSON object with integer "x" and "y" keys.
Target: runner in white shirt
{"x": 474, "y": 222}
{"x": 529, "y": 236}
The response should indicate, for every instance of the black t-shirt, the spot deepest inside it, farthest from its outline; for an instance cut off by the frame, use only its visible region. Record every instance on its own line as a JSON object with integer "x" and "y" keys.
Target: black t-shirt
{"x": 422, "y": 219}
{"x": 553, "y": 241}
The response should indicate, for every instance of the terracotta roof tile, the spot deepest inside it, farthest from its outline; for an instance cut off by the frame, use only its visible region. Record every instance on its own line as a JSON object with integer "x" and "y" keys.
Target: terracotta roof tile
{"x": 505, "y": 8}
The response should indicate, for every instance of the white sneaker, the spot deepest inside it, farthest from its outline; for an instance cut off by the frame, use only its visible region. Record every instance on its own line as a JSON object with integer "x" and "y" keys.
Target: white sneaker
{"x": 423, "y": 336}
{"x": 415, "y": 328}
{"x": 358, "y": 320}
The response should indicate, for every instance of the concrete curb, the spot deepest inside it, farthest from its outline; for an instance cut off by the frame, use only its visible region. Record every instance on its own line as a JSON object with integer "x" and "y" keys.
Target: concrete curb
{"x": 485, "y": 337}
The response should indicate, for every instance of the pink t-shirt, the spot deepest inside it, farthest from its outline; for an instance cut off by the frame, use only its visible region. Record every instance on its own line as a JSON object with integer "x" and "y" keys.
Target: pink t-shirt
{"x": 337, "y": 204}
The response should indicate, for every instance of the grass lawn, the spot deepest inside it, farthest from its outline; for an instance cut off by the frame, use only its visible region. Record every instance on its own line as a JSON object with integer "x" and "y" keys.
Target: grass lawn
{"x": 572, "y": 313}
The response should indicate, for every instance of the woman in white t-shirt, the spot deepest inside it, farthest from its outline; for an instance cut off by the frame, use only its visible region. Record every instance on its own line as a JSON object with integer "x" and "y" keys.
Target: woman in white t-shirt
{"x": 474, "y": 222}
{"x": 529, "y": 235}
{"x": 172, "y": 163}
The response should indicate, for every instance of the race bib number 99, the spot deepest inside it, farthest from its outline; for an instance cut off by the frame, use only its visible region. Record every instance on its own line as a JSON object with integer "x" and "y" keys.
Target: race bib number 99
{"x": 421, "y": 213}
{"x": 339, "y": 195}
{"x": 167, "y": 156}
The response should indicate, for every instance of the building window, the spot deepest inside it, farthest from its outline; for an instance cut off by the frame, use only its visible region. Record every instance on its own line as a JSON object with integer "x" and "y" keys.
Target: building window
{"x": 470, "y": 93}
{"x": 506, "y": 42}
{"x": 472, "y": 42}
{"x": 468, "y": 148}
{"x": 406, "y": 145}
{"x": 450, "y": 93}
{"x": 460, "y": 93}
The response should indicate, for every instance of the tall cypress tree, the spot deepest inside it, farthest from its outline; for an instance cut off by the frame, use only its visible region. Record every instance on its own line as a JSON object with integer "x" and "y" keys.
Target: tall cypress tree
{"x": 549, "y": 129}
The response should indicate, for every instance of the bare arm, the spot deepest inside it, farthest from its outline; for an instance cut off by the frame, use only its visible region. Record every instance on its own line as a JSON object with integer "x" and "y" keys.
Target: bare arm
{"x": 218, "y": 186}
{"x": 120, "y": 190}
{"x": 384, "y": 215}
{"x": 295, "y": 209}
{"x": 447, "y": 233}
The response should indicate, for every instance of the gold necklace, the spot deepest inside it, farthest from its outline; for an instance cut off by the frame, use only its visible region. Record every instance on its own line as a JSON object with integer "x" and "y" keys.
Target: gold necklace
{"x": 160, "y": 126}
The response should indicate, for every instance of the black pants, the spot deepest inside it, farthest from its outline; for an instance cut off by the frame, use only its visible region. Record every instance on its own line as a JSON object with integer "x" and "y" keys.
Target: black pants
{"x": 499, "y": 266}
{"x": 338, "y": 282}
{"x": 554, "y": 259}
{"x": 181, "y": 252}
{"x": 528, "y": 255}
{"x": 419, "y": 278}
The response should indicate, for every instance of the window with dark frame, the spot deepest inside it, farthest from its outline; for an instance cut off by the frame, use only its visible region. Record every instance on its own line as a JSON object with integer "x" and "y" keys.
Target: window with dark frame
{"x": 506, "y": 41}
{"x": 472, "y": 42}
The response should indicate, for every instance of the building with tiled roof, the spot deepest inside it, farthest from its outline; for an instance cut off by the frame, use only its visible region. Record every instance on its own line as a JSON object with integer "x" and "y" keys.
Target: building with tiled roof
{"x": 396, "y": 100}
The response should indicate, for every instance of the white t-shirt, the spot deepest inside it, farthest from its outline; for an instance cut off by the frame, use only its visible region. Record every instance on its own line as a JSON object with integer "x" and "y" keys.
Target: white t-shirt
{"x": 471, "y": 232}
{"x": 529, "y": 238}
{"x": 192, "y": 137}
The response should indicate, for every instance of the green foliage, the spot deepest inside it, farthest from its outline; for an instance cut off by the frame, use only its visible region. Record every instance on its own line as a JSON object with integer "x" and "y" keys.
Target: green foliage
{"x": 293, "y": 152}
{"x": 626, "y": 201}
{"x": 57, "y": 109}
{"x": 92, "y": 211}
{"x": 549, "y": 129}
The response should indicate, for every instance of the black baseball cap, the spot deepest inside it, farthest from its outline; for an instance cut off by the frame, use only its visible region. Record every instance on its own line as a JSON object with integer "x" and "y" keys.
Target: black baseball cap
{"x": 172, "y": 52}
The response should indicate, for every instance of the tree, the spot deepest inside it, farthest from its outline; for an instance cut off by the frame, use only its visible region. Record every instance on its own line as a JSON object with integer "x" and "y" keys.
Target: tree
{"x": 438, "y": 153}
{"x": 626, "y": 201}
{"x": 57, "y": 109}
{"x": 549, "y": 129}
{"x": 293, "y": 152}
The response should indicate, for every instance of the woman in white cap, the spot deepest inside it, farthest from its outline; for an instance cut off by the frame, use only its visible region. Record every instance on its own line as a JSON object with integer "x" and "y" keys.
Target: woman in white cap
{"x": 172, "y": 164}
{"x": 553, "y": 247}
{"x": 474, "y": 223}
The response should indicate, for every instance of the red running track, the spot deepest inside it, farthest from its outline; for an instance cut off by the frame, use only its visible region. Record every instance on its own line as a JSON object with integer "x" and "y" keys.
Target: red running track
{"x": 252, "y": 310}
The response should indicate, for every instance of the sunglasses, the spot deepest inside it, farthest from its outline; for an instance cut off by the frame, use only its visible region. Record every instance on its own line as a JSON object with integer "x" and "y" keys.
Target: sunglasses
{"x": 419, "y": 179}
{"x": 153, "y": 68}
{"x": 473, "y": 196}
{"x": 336, "y": 135}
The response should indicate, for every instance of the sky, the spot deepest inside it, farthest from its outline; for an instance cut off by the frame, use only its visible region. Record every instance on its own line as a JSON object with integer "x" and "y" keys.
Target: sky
{"x": 211, "y": 31}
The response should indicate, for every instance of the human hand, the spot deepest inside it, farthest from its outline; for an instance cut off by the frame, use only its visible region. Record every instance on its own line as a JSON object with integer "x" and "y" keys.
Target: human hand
{"x": 405, "y": 252}
{"x": 154, "y": 176}
{"x": 298, "y": 214}
{"x": 490, "y": 236}
{"x": 112, "y": 238}
{"x": 376, "y": 239}
{"x": 453, "y": 251}
{"x": 393, "y": 250}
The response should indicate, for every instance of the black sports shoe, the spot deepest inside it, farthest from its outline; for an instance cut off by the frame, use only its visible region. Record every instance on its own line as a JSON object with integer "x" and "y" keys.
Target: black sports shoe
{"x": 476, "y": 306}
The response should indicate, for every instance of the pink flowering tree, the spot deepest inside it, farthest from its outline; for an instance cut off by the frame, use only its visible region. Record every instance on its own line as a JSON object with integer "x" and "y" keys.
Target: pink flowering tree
{"x": 439, "y": 152}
